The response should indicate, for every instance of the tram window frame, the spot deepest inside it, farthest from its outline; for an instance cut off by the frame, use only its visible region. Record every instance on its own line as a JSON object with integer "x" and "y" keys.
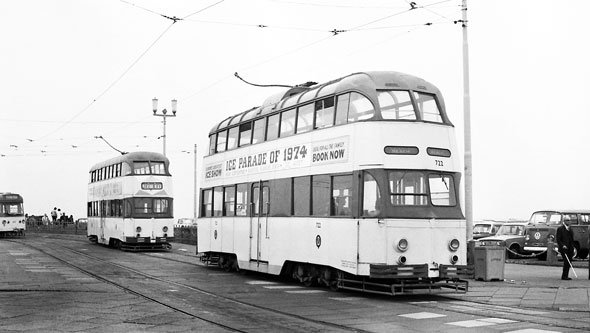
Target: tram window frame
{"x": 220, "y": 146}
{"x": 320, "y": 194}
{"x": 395, "y": 109}
{"x": 157, "y": 168}
{"x": 342, "y": 105}
{"x": 273, "y": 125}
{"x": 232, "y": 138}
{"x": 242, "y": 199}
{"x": 218, "y": 201}
{"x": 342, "y": 195}
{"x": 288, "y": 119}
{"x": 280, "y": 190}
{"x": 259, "y": 130}
{"x": 141, "y": 167}
{"x": 301, "y": 196}
{"x": 360, "y": 108}
{"x": 324, "y": 113}
{"x": 451, "y": 194}
{"x": 402, "y": 195}
{"x": 305, "y": 115}
{"x": 207, "y": 203}
{"x": 426, "y": 101}
{"x": 371, "y": 205}
{"x": 229, "y": 200}
{"x": 212, "y": 143}
{"x": 245, "y": 136}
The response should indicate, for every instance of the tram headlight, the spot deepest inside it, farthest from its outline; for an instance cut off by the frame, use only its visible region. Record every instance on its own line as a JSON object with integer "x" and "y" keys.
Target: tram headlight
{"x": 402, "y": 245}
{"x": 401, "y": 260}
{"x": 138, "y": 229}
{"x": 454, "y": 245}
{"x": 165, "y": 229}
{"x": 454, "y": 259}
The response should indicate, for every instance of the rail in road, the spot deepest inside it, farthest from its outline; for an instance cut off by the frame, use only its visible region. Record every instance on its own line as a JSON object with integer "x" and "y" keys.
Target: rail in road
{"x": 246, "y": 303}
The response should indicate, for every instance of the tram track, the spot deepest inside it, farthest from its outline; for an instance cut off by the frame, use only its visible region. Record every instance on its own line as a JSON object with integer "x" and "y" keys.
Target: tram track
{"x": 238, "y": 307}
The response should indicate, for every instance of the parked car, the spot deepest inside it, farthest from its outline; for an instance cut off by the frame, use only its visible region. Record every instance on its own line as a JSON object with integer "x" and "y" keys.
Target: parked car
{"x": 543, "y": 227}
{"x": 185, "y": 222}
{"x": 82, "y": 221}
{"x": 511, "y": 236}
{"x": 485, "y": 228}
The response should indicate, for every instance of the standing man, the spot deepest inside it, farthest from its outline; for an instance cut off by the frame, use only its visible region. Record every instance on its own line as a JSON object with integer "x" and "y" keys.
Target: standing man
{"x": 565, "y": 243}
{"x": 54, "y": 215}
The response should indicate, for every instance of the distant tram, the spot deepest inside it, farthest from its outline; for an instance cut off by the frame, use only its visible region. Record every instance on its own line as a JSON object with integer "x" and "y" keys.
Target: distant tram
{"x": 353, "y": 184}
{"x": 12, "y": 214}
{"x": 130, "y": 202}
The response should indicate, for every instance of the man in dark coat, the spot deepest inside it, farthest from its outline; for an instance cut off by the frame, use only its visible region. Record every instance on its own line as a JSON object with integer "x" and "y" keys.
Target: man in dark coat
{"x": 565, "y": 244}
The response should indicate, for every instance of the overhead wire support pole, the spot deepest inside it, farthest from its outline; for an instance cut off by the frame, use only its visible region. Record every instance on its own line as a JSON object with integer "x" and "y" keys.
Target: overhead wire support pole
{"x": 164, "y": 115}
{"x": 467, "y": 127}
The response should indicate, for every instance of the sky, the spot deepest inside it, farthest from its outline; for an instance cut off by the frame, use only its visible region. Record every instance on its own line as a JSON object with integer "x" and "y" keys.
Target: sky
{"x": 74, "y": 70}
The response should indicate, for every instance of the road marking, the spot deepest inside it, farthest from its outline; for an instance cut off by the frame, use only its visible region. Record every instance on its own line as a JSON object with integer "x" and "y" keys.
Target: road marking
{"x": 532, "y": 330}
{"x": 282, "y": 287}
{"x": 261, "y": 282}
{"x": 306, "y": 291}
{"x": 422, "y": 315}
{"x": 482, "y": 322}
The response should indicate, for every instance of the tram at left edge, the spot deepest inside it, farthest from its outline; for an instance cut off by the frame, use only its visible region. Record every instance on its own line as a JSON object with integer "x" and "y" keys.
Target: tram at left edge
{"x": 12, "y": 214}
{"x": 130, "y": 202}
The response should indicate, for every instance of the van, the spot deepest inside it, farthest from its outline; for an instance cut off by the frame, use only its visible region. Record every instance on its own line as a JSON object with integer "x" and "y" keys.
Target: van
{"x": 543, "y": 226}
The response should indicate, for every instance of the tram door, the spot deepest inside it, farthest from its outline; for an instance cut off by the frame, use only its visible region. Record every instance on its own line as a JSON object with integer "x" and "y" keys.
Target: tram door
{"x": 260, "y": 205}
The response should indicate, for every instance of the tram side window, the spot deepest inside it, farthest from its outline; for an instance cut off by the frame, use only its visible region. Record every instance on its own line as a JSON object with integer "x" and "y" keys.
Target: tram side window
{"x": 324, "y": 112}
{"x": 245, "y": 134}
{"x": 229, "y": 201}
{"x": 397, "y": 105}
{"x": 280, "y": 190}
{"x": 320, "y": 195}
{"x": 371, "y": 196}
{"x": 342, "y": 109}
{"x": 242, "y": 200}
{"x": 301, "y": 195}
{"x": 258, "y": 134}
{"x": 428, "y": 107}
{"x": 207, "y": 203}
{"x": 442, "y": 190}
{"x": 272, "y": 131}
{"x": 221, "y": 141}
{"x": 141, "y": 168}
{"x": 232, "y": 139}
{"x": 305, "y": 118}
{"x": 158, "y": 168}
{"x": 212, "y": 143}
{"x": 218, "y": 201}
{"x": 360, "y": 108}
{"x": 407, "y": 188}
{"x": 288, "y": 123}
{"x": 341, "y": 195}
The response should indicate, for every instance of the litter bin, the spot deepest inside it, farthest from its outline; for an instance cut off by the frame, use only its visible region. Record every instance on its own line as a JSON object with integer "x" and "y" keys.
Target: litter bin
{"x": 489, "y": 262}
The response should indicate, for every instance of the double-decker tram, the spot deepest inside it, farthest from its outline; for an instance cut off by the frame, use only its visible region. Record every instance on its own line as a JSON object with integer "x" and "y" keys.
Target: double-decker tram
{"x": 353, "y": 183}
{"x": 12, "y": 214}
{"x": 130, "y": 202}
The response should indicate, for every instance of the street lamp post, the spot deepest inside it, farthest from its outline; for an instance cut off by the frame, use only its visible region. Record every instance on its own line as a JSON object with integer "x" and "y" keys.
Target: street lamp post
{"x": 164, "y": 115}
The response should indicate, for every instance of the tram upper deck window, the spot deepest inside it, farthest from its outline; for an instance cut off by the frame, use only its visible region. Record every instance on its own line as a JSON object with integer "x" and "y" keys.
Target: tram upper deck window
{"x": 360, "y": 108}
{"x": 407, "y": 188}
{"x": 221, "y": 141}
{"x": 428, "y": 107}
{"x": 158, "y": 168}
{"x": 288, "y": 123}
{"x": 258, "y": 134}
{"x": 305, "y": 118}
{"x": 272, "y": 131}
{"x": 442, "y": 190}
{"x": 396, "y": 104}
{"x": 324, "y": 112}
{"x": 232, "y": 138}
{"x": 212, "y": 143}
{"x": 141, "y": 168}
{"x": 245, "y": 134}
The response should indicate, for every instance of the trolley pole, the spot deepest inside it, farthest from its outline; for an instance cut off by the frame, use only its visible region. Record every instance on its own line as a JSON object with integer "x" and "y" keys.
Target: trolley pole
{"x": 467, "y": 124}
{"x": 164, "y": 115}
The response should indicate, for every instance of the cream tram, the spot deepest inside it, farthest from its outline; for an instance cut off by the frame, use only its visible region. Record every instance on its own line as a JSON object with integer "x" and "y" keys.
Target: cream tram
{"x": 130, "y": 202}
{"x": 12, "y": 215}
{"x": 353, "y": 183}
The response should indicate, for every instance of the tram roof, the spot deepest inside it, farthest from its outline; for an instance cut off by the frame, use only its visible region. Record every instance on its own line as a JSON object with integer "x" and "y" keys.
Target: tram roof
{"x": 133, "y": 156}
{"x": 361, "y": 81}
{"x": 13, "y": 196}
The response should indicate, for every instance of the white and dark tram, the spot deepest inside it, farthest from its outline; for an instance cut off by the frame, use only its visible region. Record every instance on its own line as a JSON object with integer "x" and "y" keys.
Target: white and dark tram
{"x": 130, "y": 203}
{"x": 12, "y": 214}
{"x": 353, "y": 183}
